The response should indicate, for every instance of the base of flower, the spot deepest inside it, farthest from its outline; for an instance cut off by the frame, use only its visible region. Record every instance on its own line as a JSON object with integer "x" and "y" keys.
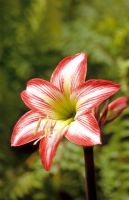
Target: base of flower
{"x": 89, "y": 174}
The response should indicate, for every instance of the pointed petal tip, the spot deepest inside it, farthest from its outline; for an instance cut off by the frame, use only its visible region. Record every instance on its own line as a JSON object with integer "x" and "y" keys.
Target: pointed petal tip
{"x": 81, "y": 53}
{"x": 99, "y": 141}
{"x": 82, "y": 56}
{"x": 14, "y": 144}
{"x": 46, "y": 167}
{"x": 117, "y": 86}
{"x": 46, "y": 160}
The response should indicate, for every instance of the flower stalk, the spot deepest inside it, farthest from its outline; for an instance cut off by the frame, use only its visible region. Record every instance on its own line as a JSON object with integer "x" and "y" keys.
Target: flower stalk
{"x": 90, "y": 174}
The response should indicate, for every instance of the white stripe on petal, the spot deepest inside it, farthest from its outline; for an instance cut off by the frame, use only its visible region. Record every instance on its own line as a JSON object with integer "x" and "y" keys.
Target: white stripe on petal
{"x": 27, "y": 128}
{"x": 41, "y": 96}
{"x": 93, "y": 93}
{"x": 70, "y": 73}
{"x": 84, "y": 131}
{"x": 49, "y": 144}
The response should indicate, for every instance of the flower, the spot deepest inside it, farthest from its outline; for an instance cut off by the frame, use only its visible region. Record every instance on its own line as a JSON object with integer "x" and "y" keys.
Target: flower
{"x": 62, "y": 107}
{"x": 116, "y": 107}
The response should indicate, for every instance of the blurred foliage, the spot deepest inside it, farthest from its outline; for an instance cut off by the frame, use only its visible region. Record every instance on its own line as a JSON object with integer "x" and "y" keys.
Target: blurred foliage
{"x": 34, "y": 36}
{"x": 114, "y": 160}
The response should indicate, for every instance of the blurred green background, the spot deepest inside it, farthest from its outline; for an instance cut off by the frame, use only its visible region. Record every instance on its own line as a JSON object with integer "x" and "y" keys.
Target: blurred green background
{"x": 34, "y": 36}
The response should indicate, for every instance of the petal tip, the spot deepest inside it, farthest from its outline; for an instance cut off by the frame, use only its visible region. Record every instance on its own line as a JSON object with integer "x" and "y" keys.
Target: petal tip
{"x": 47, "y": 168}
{"x": 82, "y": 56}
{"x": 14, "y": 143}
{"x": 46, "y": 165}
{"x": 116, "y": 86}
{"x": 99, "y": 142}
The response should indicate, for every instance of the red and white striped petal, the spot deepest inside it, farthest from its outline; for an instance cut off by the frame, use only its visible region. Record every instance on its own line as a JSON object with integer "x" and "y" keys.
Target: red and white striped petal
{"x": 28, "y": 128}
{"x": 47, "y": 149}
{"x": 84, "y": 131}
{"x": 49, "y": 144}
{"x": 70, "y": 73}
{"x": 116, "y": 107}
{"x": 119, "y": 104}
{"x": 93, "y": 92}
{"x": 40, "y": 96}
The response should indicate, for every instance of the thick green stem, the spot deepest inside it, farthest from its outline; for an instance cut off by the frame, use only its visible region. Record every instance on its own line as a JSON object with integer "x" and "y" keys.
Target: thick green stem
{"x": 90, "y": 174}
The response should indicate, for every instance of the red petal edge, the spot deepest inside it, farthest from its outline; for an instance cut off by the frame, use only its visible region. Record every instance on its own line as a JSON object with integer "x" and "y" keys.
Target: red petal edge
{"x": 47, "y": 149}
{"x": 24, "y": 130}
{"x": 84, "y": 131}
{"x": 70, "y": 72}
{"x": 39, "y": 95}
{"x": 93, "y": 92}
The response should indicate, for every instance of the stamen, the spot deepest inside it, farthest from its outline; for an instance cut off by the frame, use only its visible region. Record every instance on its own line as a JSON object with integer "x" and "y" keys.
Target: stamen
{"x": 37, "y": 141}
{"x": 47, "y": 130}
{"x": 44, "y": 129}
{"x": 53, "y": 123}
{"x": 48, "y": 127}
{"x": 38, "y": 125}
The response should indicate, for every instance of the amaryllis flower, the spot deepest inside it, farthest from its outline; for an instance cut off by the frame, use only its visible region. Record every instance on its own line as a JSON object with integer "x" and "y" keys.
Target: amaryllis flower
{"x": 62, "y": 107}
{"x": 116, "y": 107}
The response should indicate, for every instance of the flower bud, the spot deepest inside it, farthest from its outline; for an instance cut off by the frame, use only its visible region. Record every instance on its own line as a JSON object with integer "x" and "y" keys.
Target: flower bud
{"x": 116, "y": 107}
